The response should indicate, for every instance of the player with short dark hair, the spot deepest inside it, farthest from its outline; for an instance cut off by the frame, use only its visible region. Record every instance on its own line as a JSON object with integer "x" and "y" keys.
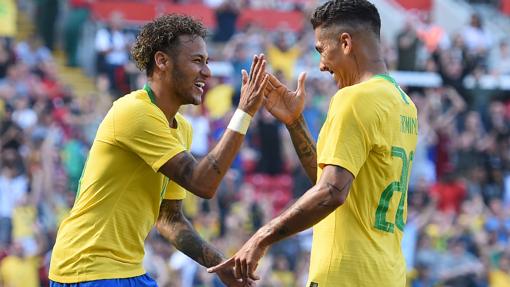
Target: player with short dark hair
{"x": 139, "y": 166}
{"x": 358, "y": 206}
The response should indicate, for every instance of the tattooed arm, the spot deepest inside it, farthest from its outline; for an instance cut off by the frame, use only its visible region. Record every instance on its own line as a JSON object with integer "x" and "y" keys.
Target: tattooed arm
{"x": 287, "y": 106}
{"x": 330, "y": 192}
{"x": 317, "y": 203}
{"x": 173, "y": 225}
{"x": 304, "y": 146}
{"x": 203, "y": 177}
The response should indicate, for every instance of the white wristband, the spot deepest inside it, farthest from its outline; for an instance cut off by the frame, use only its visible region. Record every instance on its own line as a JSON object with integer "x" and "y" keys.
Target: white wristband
{"x": 240, "y": 122}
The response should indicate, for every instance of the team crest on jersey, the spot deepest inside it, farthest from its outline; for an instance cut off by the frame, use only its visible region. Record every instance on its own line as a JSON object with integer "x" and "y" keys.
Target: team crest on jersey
{"x": 313, "y": 284}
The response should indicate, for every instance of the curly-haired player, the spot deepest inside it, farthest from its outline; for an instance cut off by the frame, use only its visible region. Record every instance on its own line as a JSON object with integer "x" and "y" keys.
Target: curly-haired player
{"x": 139, "y": 167}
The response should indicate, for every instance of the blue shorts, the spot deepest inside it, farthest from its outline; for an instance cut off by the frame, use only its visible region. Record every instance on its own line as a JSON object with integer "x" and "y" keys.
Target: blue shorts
{"x": 138, "y": 281}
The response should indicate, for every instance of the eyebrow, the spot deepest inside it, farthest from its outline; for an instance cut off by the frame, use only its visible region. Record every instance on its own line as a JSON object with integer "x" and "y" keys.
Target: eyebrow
{"x": 201, "y": 56}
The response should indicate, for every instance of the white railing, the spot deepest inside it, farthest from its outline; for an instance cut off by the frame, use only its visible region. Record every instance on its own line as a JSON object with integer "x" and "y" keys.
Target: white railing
{"x": 404, "y": 78}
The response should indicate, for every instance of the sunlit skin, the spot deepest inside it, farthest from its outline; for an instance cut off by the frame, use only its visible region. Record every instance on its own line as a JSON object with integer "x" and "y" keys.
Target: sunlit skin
{"x": 350, "y": 56}
{"x": 178, "y": 79}
{"x": 181, "y": 76}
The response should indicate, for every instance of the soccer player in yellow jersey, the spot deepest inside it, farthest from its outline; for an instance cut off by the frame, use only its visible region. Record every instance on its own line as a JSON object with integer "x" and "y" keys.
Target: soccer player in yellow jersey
{"x": 139, "y": 165}
{"x": 361, "y": 165}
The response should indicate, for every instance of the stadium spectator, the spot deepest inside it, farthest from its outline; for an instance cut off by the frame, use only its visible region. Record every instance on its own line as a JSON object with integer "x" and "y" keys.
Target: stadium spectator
{"x": 112, "y": 48}
{"x": 46, "y": 16}
{"x": 73, "y": 27}
{"x": 477, "y": 40}
{"x": 432, "y": 35}
{"x": 8, "y": 19}
{"x": 19, "y": 269}
{"x": 501, "y": 61}
{"x": 283, "y": 54}
{"x": 408, "y": 45}
{"x": 33, "y": 53}
{"x": 226, "y": 15}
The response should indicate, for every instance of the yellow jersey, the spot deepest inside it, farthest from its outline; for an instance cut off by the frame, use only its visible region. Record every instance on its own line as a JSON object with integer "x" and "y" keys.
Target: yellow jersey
{"x": 20, "y": 272}
{"x": 120, "y": 192}
{"x": 8, "y": 15}
{"x": 371, "y": 130}
{"x": 499, "y": 278}
{"x": 283, "y": 61}
{"x": 24, "y": 218}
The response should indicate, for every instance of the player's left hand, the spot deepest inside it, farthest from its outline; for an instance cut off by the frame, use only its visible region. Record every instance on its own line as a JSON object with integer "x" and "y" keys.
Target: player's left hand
{"x": 282, "y": 103}
{"x": 245, "y": 261}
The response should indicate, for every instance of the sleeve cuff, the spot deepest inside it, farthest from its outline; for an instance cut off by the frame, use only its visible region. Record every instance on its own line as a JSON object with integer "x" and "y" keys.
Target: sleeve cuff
{"x": 339, "y": 162}
{"x": 161, "y": 161}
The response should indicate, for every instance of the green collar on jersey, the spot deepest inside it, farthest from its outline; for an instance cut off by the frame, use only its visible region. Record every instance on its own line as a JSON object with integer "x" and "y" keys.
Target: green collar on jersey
{"x": 391, "y": 80}
{"x": 386, "y": 77}
{"x": 149, "y": 91}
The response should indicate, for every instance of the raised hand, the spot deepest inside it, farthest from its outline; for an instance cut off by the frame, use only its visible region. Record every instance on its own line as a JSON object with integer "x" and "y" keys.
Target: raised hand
{"x": 253, "y": 85}
{"x": 244, "y": 262}
{"x": 282, "y": 103}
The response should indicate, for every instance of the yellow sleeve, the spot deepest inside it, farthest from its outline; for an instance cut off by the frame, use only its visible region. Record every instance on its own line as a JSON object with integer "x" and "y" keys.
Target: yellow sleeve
{"x": 347, "y": 136}
{"x": 143, "y": 129}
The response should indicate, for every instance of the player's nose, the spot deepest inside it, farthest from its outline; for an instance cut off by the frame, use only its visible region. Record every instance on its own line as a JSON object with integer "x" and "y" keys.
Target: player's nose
{"x": 206, "y": 71}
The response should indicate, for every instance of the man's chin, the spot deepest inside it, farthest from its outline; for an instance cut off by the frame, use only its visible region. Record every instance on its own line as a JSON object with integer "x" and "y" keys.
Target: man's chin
{"x": 197, "y": 100}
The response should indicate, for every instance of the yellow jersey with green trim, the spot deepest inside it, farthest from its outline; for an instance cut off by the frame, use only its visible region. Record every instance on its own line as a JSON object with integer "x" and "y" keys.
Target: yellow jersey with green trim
{"x": 371, "y": 130}
{"x": 120, "y": 193}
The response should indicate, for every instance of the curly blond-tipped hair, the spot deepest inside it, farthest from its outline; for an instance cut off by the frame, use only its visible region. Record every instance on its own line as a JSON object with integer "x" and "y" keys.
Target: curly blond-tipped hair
{"x": 162, "y": 35}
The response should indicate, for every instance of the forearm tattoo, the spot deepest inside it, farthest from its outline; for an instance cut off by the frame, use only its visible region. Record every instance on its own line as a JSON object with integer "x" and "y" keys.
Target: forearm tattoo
{"x": 190, "y": 243}
{"x": 333, "y": 192}
{"x": 214, "y": 163}
{"x": 304, "y": 146}
{"x": 283, "y": 231}
{"x": 179, "y": 231}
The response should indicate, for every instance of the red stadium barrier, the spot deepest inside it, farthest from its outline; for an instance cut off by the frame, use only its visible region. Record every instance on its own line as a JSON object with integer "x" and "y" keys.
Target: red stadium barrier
{"x": 276, "y": 189}
{"x": 270, "y": 19}
{"x": 137, "y": 12}
{"x": 505, "y": 7}
{"x": 424, "y": 5}
{"x": 198, "y": 11}
{"x": 132, "y": 11}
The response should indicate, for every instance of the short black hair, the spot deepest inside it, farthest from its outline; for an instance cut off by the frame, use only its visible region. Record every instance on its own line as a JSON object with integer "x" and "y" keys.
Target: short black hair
{"x": 162, "y": 34}
{"x": 347, "y": 12}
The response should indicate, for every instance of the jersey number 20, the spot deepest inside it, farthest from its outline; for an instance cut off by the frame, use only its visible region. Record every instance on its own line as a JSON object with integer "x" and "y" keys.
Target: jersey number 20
{"x": 396, "y": 186}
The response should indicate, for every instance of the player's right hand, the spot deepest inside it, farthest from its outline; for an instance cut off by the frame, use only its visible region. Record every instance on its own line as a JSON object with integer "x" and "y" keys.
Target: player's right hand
{"x": 253, "y": 85}
{"x": 228, "y": 277}
{"x": 282, "y": 103}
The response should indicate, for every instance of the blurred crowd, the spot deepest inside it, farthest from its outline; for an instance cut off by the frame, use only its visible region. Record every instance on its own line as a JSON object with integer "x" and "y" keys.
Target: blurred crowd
{"x": 458, "y": 225}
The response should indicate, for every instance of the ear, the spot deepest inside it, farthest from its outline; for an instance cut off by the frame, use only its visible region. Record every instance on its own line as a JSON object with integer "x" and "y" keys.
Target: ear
{"x": 345, "y": 41}
{"x": 161, "y": 60}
